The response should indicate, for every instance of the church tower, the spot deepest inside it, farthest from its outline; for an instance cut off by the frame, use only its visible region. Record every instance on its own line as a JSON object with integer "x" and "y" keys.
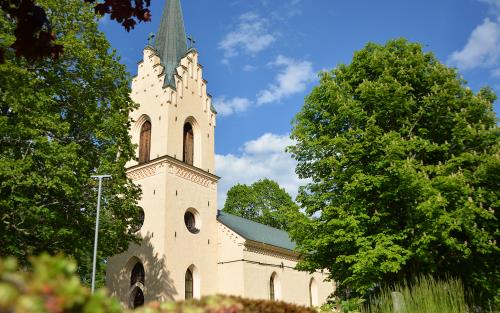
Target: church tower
{"x": 173, "y": 128}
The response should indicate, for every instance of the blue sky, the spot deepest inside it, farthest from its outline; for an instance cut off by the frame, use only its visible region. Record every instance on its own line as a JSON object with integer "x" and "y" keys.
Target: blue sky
{"x": 261, "y": 58}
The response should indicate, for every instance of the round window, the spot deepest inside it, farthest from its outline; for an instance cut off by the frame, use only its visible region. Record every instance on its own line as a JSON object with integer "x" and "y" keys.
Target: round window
{"x": 140, "y": 218}
{"x": 192, "y": 221}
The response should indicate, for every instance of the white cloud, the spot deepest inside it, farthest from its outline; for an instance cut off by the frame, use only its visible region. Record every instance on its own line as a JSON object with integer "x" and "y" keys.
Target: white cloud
{"x": 292, "y": 78}
{"x": 249, "y": 68}
{"x": 250, "y": 36}
{"x": 264, "y": 157}
{"x": 226, "y": 107}
{"x": 482, "y": 48}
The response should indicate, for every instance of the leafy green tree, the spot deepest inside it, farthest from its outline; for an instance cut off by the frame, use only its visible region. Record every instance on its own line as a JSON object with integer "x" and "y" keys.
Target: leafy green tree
{"x": 263, "y": 202}
{"x": 404, "y": 162}
{"x": 61, "y": 122}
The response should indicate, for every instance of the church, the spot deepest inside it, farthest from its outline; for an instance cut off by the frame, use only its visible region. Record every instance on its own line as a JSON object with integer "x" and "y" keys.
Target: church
{"x": 190, "y": 249}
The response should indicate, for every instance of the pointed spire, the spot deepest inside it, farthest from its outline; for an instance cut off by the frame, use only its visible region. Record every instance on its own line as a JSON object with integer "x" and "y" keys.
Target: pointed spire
{"x": 170, "y": 41}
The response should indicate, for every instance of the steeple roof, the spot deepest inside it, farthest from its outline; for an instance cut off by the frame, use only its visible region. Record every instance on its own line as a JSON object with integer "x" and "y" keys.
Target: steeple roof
{"x": 170, "y": 41}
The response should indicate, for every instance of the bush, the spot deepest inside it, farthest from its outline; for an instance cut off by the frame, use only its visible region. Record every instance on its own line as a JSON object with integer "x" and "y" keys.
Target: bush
{"x": 52, "y": 286}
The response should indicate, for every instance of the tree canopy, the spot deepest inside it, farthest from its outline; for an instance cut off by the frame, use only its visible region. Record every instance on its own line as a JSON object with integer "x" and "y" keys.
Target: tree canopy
{"x": 404, "y": 162}
{"x": 264, "y": 202}
{"x": 61, "y": 122}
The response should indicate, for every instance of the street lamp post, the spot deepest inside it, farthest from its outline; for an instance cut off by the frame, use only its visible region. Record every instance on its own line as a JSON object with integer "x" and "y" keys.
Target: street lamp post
{"x": 100, "y": 178}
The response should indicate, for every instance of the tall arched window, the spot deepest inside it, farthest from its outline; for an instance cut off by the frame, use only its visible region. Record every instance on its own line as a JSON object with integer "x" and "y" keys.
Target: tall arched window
{"x": 188, "y": 147}
{"x": 188, "y": 280}
{"x": 137, "y": 275}
{"x": 272, "y": 295}
{"x": 145, "y": 142}
{"x": 313, "y": 293}
{"x": 274, "y": 287}
{"x": 137, "y": 299}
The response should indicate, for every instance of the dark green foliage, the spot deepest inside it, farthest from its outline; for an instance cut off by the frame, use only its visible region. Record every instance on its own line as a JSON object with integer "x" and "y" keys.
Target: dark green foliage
{"x": 61, "y": 122}
{"x": 263, "y": 202}
{"x": 404, "y": 161}
{"x": 51, "y": 286}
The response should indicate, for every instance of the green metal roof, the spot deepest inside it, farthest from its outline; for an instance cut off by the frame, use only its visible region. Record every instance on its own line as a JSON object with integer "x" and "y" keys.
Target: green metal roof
{"x": 170, "y": 41}
{"x": 255, "y": 231}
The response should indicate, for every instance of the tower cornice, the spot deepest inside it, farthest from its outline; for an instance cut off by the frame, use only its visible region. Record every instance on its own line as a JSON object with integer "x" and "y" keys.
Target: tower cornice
{"x": 176, "y": 167}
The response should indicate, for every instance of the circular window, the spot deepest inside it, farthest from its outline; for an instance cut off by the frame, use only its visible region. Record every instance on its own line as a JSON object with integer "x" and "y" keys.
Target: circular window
{"x": 192, "y": 221}
{"x": 140, "y": 218}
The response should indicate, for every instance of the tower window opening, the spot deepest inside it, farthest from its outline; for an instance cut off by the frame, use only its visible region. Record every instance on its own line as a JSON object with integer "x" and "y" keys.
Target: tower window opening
{"x": 191, "y": 221}
{"x": 188, "y": 147}
{"x": 145, "y": 143}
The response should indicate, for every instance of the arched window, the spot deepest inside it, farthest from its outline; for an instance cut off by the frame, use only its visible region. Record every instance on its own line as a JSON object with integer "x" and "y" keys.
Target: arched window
{"x": 188, "y": 280}
{"x": 137, "y": 298}
{"x": 145, "y": 142}
{"x": 137, "y": 275}
{"x": 272, "y": 296}
{"x": 188, "y": 147}
{"x": 274, "y": 287}
{"x": 313, "y": 293}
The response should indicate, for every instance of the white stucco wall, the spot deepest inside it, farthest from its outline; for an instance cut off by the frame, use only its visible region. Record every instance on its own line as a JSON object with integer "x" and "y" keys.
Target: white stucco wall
{"x": 230, "y": 267}
{"x": 294, "y": 284}
{"x": 245, "y": 269}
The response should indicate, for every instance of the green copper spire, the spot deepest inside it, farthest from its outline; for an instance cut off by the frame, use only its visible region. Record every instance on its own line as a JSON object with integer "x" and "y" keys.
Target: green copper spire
{"x": 170, "y": 41}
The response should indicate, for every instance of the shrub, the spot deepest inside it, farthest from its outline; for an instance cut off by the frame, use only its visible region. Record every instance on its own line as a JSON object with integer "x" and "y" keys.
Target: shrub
{"x": 225, "y": 304}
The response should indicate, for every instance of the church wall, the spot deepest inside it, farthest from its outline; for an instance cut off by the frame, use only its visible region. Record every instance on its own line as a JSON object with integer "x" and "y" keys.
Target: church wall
{"x": 147, "y": 91}
{"x": 190, "y": 103}
{"x": 183, "y": 247}
{"x": 292, "y": 285}
{"x": 168, "y": 109}
{"x": 152, "y": 179}
{"x": 230, "y": 267}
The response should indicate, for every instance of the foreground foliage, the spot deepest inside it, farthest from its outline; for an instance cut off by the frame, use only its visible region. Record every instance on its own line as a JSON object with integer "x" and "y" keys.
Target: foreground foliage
{"x": 404, "y": 162}
{"x": 52, "y": 287}
{"x": 264, "y": 202}
{"x": 60, "y": 123}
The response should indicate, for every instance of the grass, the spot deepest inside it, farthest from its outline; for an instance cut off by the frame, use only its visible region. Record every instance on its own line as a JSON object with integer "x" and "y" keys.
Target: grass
{"x": 424, "y": 295}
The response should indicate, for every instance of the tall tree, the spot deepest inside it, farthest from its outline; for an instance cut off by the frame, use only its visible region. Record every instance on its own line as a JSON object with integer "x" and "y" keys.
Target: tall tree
{"x": 61, "y": 122}
{"x": 404, "y": 162}
{"x": 264, "y": 202}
